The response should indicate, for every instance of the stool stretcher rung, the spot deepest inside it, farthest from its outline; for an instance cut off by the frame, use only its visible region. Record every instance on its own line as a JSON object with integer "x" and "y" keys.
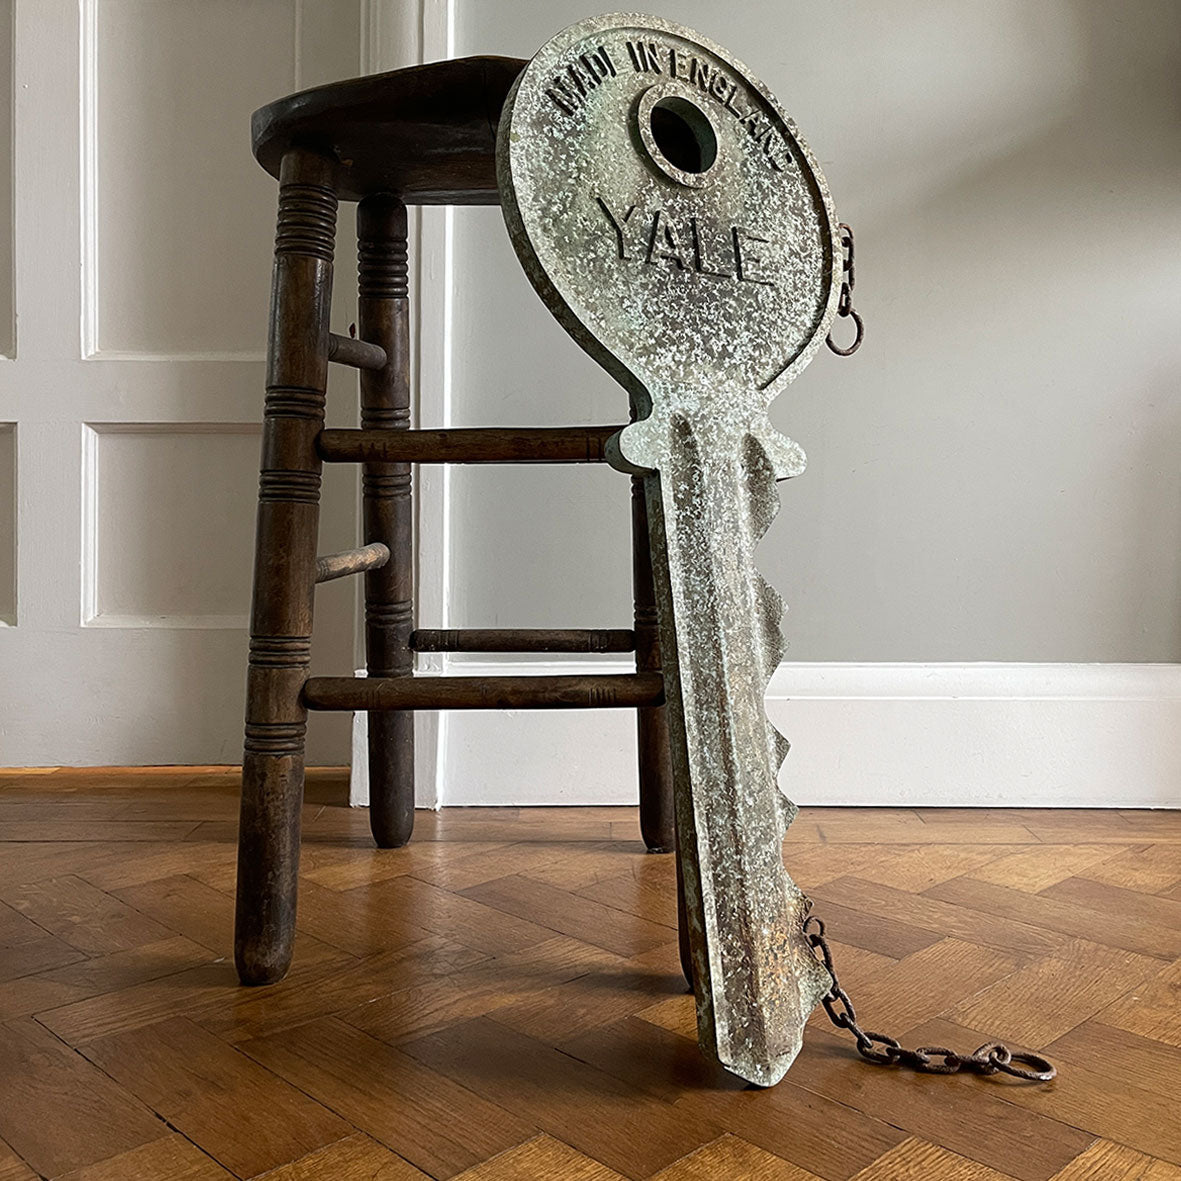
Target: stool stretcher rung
{"x": 524, "y": 640}
{"x": 360, "y": 354}
{"x": 582, "y": 444}
{"x": 351, "y": 561}
{"x": 610, "y": 691}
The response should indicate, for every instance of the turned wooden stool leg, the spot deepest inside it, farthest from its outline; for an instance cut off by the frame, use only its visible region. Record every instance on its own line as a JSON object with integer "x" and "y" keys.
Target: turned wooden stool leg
{"x": 284, "y": 570}
{"x": 657, "y": 823}
{"x": 383, "y": 318}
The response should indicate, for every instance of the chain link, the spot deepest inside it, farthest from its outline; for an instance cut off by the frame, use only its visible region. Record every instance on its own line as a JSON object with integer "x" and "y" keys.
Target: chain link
{"x": 885, "y": 1051}
{"x": 845, "y": 300}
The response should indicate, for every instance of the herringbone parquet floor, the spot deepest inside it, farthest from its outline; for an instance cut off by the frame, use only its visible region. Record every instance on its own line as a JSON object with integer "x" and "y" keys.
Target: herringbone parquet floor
{"x": 501, "y": 1000}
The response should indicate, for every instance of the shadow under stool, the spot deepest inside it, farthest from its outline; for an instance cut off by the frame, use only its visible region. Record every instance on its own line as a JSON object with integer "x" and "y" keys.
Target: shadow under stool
{"x": 425, "y": 135}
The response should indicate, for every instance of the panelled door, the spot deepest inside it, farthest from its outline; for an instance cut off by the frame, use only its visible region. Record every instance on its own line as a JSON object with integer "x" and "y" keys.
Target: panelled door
{"x": 135, "y": 247}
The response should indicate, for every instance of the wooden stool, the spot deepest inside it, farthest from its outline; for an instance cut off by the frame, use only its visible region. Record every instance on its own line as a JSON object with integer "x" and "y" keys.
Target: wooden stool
{"x": 419, "y": 136}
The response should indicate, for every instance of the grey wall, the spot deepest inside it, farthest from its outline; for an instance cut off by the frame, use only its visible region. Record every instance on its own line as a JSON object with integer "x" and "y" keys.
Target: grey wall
{"x": 997, "y": 474}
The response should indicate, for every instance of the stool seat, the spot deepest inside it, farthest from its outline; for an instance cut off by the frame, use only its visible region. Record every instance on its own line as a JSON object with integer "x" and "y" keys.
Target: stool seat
{"x": 426, "y": 134}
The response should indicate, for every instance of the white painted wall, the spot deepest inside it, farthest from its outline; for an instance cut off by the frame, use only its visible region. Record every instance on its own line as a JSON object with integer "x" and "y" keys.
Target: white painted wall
{"x": 994, "y": 476}
{"x": 983, "y": 562}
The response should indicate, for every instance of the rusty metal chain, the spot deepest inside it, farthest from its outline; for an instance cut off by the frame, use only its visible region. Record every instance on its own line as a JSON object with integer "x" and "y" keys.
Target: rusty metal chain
{"x": 885, "y": 1051}
{"x": 845, "y": 301}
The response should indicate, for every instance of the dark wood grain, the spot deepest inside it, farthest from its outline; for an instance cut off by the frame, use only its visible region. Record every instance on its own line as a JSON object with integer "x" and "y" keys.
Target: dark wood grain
{"x": 351, "y": 561}
{"x": 657, "y": 818}
{"x": 437, "y": 1124}
{"x": 383, "y": 317}
{"x": 427, "y": 133}
{"x": 523, "y": 639}
{"x": 284, "y": 569}
{"x": 603, "y": 691}
{"x": 57, "y": 1110}
{"x": 561, "y": 444}
{"x": 360, "y": 354}
{"x": 621, "y": 1127}
{"x": 206, "y": 1090}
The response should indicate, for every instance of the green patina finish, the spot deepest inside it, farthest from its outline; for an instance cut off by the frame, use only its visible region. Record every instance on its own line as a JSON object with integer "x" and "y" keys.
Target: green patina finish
{"x": 671, "y": 217}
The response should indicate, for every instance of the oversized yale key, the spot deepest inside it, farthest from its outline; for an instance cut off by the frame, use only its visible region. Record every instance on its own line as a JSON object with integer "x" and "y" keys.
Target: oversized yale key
{"x": 667, "y": 211}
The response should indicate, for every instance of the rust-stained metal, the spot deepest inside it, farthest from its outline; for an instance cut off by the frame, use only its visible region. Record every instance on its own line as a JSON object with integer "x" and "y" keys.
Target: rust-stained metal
{"x": 670, "y": 215}
{"x": 990, "y": 1058}
{"x": 845, "y": 308}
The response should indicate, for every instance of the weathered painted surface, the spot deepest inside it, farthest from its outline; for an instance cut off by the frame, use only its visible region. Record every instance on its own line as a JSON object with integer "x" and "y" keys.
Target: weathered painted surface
{"x": 669, "y": 214}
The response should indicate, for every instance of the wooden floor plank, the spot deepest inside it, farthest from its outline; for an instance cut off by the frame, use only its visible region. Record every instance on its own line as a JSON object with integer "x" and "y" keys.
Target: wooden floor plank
{"x": 811, "y": 866}
{"x": 26, "y": 947}
{"x": 209, "y": 1091}
{"x": 461, "y": 917}
{"x": 358, "y": 1158}
{"x": 502, "y": 998}
{"x": 732, "y": 1157}
{"x": 438, "y": 1125}
{"x": 809, "y": 1130}
{"x": 265, "y": 1011}
{"x": 570, "y": 914}
{"x": 595, "y": 1113}
{"x": 917, "y": 867}
{"x": 1105, "y": 1161}
{"x": 1066, "y": 916}
{"x": 541, "y": 1159}
{"x": 651, "y": 897}
{"x": 1078, "y": 1097}
{"x": 172, "y": 1158}
{"x": 1037, "y": 866}
{"x": 184, "y": 904}
{"x": 891, "y": 999}
{"x": 12, "y": 1167}
{"x": 914, "y": 1160}
{"x": 1153, "y": 1009}
{"x": 1119, "y": 903}
{"x": 587, "y": 865}
{"x": 199, "y": 992}
{"x": 939, "y": 917}
{"x": 95, "y": 922}
{"x": 92, "y": 977}
{"x": 605, "y": 994}
{"x": 1151, "y": 870}
{"x": 411, "y": 1012}
{"x": 64, "y": 829}
{"x": 58, "y": 1111}
{"x": 347, "y": 868}
{"x": 1126, "y": 1058}
{"x": 872, "y": 932}
{"x": 973, "y": 1120}
{"x": 1031, "y": 1006}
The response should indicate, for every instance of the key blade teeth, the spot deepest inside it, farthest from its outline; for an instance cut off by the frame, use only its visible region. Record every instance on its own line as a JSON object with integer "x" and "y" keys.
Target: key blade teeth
{"x": 757, "y": 978}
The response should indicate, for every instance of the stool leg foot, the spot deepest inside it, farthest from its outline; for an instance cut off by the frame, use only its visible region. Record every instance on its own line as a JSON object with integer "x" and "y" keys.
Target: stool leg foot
{"x": 391, "y": 778}
{"x": 284, "y": 570}
{"x": 383, "y": 318}
{"x": 657, "y": 825}
{"x": 268, "y": 867}
{"x": 657, "y": 822}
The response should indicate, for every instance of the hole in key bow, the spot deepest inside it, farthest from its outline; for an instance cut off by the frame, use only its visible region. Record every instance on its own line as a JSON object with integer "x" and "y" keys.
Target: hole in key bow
{"x": 683, "y": 133}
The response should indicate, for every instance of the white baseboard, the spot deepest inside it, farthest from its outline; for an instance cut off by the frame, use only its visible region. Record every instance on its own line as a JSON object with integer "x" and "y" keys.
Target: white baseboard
{"x": 935, "y": 735}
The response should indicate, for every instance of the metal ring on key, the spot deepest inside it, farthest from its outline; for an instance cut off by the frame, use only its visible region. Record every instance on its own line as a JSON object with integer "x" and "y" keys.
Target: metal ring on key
{"x": 836, "y": 348}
